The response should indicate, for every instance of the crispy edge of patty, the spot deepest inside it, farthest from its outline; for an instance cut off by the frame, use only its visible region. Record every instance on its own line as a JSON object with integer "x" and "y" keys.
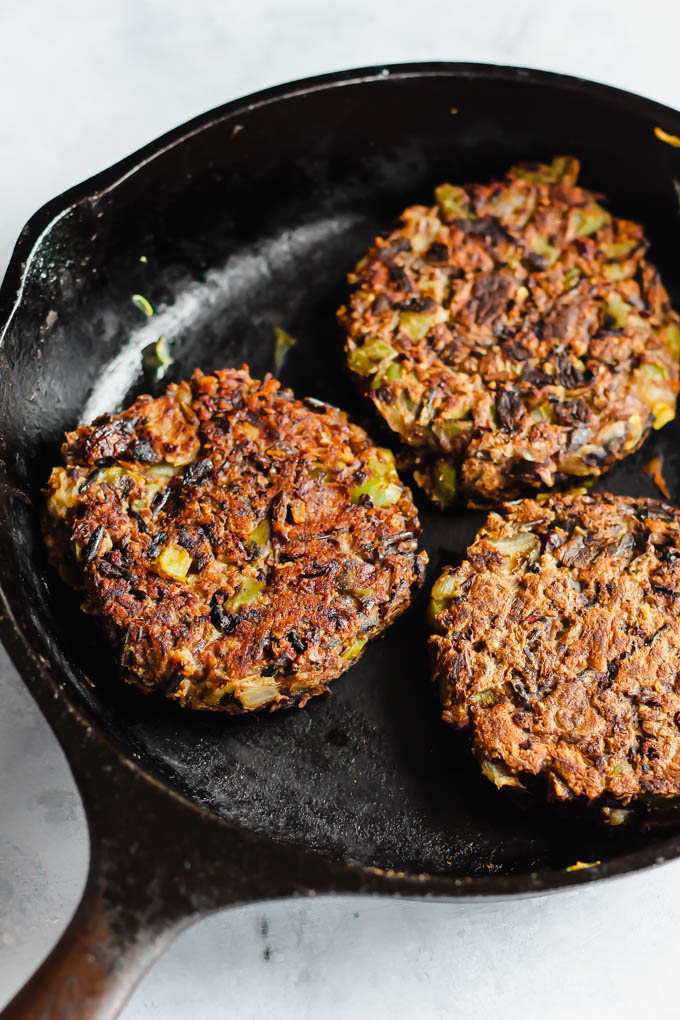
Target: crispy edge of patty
{"x": 133, "y": 486}
{"x": 556, "y": 648}
{"x": 448, "y": 328}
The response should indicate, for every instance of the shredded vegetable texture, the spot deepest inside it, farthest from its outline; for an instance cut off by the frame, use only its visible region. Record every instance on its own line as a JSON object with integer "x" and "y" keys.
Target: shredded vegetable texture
{"x": 556, "y": 646}
{"x": 514, "y": 336}
{"x": 581, "y": 865}
{"x": 243, "y": 545}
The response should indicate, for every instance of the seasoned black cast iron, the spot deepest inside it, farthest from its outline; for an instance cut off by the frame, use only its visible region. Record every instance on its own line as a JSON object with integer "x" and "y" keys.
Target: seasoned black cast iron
{"x": 246, "y": 219}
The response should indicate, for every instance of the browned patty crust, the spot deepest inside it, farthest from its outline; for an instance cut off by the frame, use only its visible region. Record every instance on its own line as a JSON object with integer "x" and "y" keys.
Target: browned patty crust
{"x": 557, "y": 647}
{"x": 513, "y": 335}
{"x": 240, "y": 545}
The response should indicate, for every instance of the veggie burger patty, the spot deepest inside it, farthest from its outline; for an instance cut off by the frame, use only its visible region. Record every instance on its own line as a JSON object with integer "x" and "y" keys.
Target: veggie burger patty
{"x": 240, "y": 545}
{"x": 513, "y": 335}
{"x": 557, "y": 647}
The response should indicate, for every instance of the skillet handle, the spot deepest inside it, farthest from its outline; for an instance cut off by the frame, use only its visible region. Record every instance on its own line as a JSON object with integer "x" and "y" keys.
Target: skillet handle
{"x": 95, "y": 965}
{"x": 157, "y": 863}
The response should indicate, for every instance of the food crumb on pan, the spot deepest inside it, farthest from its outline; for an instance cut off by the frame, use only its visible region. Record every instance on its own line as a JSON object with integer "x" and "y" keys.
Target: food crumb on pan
{"x": 581, "y": 865}
{"x": 282, "y": 344}
{"x": 669, "y": 139}
{"x": 143, "y": 304}
{"x": 654, "y": 469}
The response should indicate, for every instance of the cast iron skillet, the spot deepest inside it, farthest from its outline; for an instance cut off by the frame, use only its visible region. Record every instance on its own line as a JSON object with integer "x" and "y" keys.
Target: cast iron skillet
{"x": 247, "y": 218}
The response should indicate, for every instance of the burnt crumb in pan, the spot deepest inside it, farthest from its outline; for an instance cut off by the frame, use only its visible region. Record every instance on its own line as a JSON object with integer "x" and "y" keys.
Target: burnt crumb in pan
{"x": 556, "y": 647}
{"x": 513, "y": 335}
{"x": 240, "y": 546}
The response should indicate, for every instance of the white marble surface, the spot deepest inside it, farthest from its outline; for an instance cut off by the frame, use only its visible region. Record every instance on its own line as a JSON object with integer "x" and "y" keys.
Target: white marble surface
{"x": 82, "y": 84}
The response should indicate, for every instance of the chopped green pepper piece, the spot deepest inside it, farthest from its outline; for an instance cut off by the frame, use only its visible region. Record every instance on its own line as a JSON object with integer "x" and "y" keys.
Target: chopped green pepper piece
{"x": 588, "y": 219}
{"x": 541, "y": 246}
{"x": 485, "y": 697}
{"x": 156, "y": 360}
{"x": 417, "y": 325}
{"x": 262, "y": 534}
{"x": 618, "y": 309}
{"x": 673, "y": 339}
{"x": 354, "y": 650}
{"x": 571, "y": 278}
{"x": 381, "y": 492}
{"x": 434, "y": 608}
{"x": 615, "y": 249}
{"x": 282, "y": 344}
{"x": 365, "y": 360}
{"x": 445, "y": 482}
{"x": 390, "y": 373}
{"x": 616, "y": 271}
{"x": 453, "y": 202}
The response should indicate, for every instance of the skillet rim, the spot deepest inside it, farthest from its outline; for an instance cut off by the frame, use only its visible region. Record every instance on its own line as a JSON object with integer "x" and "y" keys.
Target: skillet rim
{"x": 44, "y": 683}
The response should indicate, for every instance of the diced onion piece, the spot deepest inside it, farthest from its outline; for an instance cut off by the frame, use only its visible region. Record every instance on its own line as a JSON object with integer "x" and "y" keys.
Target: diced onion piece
{"x": 548, "y": 252}
{"x": 518, "y": 550}
{"x": 162, "y": 471}
{"x": 653, "y": 382}
{"x": 616, "y": 816}
{"x": 500, "y": 775}
{"x": 258, "y": 691}
{"x": 616, "y": 249}
{"x": 447, "y": 585}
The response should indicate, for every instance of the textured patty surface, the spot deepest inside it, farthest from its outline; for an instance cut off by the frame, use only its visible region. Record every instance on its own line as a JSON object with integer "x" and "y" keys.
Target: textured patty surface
{"x": 513, "y": 335}
{"x": 557, "y": 647}
{"x": 241, "y": 546}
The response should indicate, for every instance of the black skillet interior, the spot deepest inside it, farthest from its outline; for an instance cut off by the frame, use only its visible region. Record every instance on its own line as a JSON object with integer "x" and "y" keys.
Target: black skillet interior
{"x": 252, "y": 222}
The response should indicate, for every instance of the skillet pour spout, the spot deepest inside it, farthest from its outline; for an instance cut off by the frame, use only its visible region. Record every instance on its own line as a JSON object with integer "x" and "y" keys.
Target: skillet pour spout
{"x": 227, "y": 235}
